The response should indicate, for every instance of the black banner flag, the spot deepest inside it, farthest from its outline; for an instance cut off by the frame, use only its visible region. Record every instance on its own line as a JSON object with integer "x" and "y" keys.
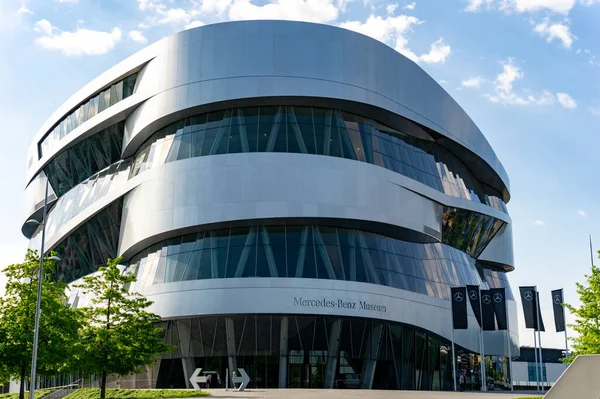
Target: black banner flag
{"x": 487, "y": 311}
{"x": 459, "y": 308}
{"x": 540, "y": 313}
{"x": 530, "y": 302}
{"x": 499, "y": 300}
{"x": 559, "y": 310}
{"x": 473, "y": 294}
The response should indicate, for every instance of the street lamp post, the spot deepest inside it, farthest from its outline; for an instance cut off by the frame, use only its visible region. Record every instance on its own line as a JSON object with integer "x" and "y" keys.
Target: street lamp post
{"x": 39, "y": 292}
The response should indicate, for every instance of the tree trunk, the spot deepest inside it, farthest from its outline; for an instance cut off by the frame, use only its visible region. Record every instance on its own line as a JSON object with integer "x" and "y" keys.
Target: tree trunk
{"x": 103, "y": 386}
{"x": 22, "y": 385}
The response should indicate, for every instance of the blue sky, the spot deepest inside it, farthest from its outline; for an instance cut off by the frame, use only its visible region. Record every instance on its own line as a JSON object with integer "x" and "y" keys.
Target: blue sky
{"x": 527, "y": 71}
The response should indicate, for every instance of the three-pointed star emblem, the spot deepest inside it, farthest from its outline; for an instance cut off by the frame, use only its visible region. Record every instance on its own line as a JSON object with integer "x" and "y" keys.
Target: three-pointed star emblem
{"x": 458, "y": 297}
{"x": 528, "y": 296}
{"x": 557, "y": 299}
{"x": 497, "y": 297}
{"x": 486, "y": 299}
{"x": 473, "y": 295}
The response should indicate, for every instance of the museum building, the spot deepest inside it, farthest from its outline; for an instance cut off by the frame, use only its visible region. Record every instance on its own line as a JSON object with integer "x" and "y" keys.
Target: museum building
{"x": 296, "y": 199}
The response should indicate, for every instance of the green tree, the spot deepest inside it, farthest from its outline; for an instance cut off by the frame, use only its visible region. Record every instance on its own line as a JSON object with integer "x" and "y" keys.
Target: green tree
{"x": 120, "y": 336}
{"x": 587, "y": 323}
{"x": 59, "y": 324}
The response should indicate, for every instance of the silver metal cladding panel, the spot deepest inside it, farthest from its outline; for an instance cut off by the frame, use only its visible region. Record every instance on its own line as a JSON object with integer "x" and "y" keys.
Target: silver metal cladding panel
{"x": 285, "y": 295}
{"x": 255, "y": 176}
{"x": 252, "y": 59}
{"x": 221, "y": 188}
{"x": 500, "y": 248}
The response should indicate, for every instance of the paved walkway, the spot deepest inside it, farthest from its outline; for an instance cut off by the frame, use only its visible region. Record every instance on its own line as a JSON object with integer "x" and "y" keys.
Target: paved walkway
{"x": 357, "y": 394}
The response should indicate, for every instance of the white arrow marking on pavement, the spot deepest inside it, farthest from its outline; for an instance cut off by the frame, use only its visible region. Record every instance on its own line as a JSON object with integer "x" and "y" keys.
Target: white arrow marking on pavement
{"x": 196, "y": 378}
{"x": 243, "y": 379}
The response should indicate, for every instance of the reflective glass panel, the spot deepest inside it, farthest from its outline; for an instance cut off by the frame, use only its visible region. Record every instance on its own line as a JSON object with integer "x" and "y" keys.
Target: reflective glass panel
{"x": 326, "y": 132}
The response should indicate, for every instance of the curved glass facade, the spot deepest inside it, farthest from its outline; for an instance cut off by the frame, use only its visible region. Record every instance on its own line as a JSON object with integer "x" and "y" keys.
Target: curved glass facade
{"x": 103, "y": 100}
{"x": 306, "y": 252}
{"x": 320, "y": 352}
{"x": 467, "y": 230}
{"x": 319, "y": 131}
{"x": 85, "y": 194}
{"x": 88, "y": 247}
{"x": 85, "y": 158}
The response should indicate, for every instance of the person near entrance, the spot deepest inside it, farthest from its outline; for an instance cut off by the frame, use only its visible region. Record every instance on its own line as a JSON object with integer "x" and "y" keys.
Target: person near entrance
{"x": 234, "y": 374}
{"x": 461, "y": 381}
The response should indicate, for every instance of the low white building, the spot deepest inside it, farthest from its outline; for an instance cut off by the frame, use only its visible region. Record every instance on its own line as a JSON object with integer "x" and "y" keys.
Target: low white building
{"x": 525, "y": 372}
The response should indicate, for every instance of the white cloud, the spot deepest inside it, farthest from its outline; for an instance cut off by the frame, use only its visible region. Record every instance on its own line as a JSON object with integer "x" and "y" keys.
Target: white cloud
{"x": 443, "y": 82}
{"x": 510, "y": 73}
{"x": 214, "y": 6}
{"x": 522, "y": 6}
{"x": 476, "y": 5}
{"x": 142, "y": 25}
{"x": 539, "y": 223}
{"x": 438, "y": 52}
{"x": 145, "y": 4}
{"x": 392, "y": 30}
{"x": 589, "y": 2}
{"x": 43, "y": 26}
{"x": 473, "y": 82}
{"x": 24, "y": 10}
{"x": 504, "y": 92}
{"x": 174, "y": 15}
{"x": 566, "y": 100}
{"x": 79, "y": 42}
{"x": 410, "y": 6}
{"x": 137, "y": 36}
{"x": 391, "y": 8}
{"x": 557, "y": 6}
{"x": 387, "y": 30}
{"x": 551, "y": 31}
{"x": 594, "y": 110}
{"x": 582, "y": 213}
{"x": 299, "y": 10}
{"x": 194, "y": 24}
{"x": 67, "y": 1}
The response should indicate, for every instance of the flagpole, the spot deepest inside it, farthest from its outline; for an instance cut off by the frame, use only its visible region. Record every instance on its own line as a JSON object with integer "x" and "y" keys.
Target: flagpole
{"x": 591, "y": 251}
{"x": 482, "y": 362}
{"x": 453, "y": 361}
{"x": 539, "y": 328}
{"x": 537, "y": 367}
{"x": 562, "y": 295}
{"x": 509, "y": 345}
{"x": 541, "y": 360}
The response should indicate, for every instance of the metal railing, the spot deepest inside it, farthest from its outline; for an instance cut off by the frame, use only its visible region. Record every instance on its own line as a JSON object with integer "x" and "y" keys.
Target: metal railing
{"x": 62, "y": 391}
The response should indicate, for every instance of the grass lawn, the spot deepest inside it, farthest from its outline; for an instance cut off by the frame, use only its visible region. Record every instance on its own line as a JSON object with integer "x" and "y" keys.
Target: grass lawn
{"x": 531, "y": 397}
{"x": 15, "y": 395}
{"x": 94, "y": 393}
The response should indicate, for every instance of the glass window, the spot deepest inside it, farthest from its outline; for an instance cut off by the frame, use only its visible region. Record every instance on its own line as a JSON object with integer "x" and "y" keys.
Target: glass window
{"x": 85, "y": 111}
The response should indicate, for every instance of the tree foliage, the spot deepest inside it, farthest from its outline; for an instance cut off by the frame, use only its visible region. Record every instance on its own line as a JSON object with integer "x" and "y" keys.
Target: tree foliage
{"x": 120, "y": 335}
{"x": 59, "y": 324}
{"x": 587, "y": 323}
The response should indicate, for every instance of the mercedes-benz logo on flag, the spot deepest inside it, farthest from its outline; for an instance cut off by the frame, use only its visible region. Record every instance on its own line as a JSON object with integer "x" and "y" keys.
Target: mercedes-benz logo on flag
{"x": 473, "y": 294}
{"x": 486, "y": 299}
{"x": 458, "y": 297}
{"x": 557, "y": 299}
{"x": 497, "y": 297}
{"x": 528, "y": 296}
